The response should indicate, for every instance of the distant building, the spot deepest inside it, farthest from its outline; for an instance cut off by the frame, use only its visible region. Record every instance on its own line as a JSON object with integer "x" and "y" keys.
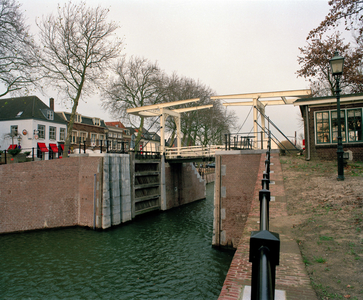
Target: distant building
{"x": 118, "y": 136}
{"x": 321, "y": 126}
{"x": 91, "y": 130}
{"x": 28, "y": 123}
{"x": 150, "y": 141}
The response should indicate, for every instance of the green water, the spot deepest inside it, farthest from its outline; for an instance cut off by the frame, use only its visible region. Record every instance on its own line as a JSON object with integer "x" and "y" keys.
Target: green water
{"x": 161, "y": 256}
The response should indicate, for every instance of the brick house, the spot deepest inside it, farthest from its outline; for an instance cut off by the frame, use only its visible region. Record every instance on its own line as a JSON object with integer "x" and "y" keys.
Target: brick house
{"x": 28, "y": 123}
{"x": 321, "y": 127}
{"x": 118, "y": 136}
{"x": 91, "y": 130}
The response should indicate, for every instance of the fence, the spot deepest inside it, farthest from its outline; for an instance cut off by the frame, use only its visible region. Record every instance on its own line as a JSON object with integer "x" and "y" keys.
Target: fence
{"x": 17, "y": 154}
{"x": 264, "y": 245}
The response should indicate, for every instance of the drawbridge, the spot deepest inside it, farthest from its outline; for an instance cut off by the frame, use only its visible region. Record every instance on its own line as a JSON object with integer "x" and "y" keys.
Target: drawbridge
{"x": 256, "y": 139}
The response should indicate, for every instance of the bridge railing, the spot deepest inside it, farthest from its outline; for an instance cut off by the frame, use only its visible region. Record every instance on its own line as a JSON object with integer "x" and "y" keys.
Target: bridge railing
{"x": 264, "y": 245}
{"x": 193, "y": 151}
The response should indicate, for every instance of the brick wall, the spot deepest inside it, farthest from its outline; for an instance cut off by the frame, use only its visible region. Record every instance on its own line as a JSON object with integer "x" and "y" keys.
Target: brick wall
{"x": 238, "y": 180}
{"x": 47, "y": 194}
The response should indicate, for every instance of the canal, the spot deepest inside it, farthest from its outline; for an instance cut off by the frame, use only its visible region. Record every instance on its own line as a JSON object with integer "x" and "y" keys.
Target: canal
{"x": 165, "y": 255}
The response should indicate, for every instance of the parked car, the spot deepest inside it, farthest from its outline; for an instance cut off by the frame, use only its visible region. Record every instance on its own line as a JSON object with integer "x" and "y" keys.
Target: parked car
{"x": 211, "y": 165}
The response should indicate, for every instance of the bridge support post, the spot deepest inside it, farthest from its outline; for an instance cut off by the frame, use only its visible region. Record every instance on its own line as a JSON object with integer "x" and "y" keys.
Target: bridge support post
{"x": 162, "y": 184}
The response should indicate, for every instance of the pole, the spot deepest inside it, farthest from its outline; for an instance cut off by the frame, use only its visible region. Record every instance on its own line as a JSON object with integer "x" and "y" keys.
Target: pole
{"x": 340, "y": 150}
{"x": 94, "y": 202}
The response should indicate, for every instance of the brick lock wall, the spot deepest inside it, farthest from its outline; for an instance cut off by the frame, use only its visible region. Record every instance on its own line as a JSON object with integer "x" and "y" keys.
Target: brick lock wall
{"x": 182, "y": 185}
{"x": 238, "y": 183}
{"x": 47, "y": 194}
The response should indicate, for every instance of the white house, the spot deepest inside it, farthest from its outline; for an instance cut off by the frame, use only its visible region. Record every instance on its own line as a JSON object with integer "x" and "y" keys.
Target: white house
{"x": 28, "y": 123}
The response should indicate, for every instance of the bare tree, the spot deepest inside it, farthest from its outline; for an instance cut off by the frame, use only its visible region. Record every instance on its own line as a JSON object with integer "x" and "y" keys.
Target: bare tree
{"x": 17, "y": 49}
{"x": 315, "y": 65}
{"x": 138, "y": 82}
{"x": 349, "y": 11}
{"x": 78, "y": 47}
{"x": 200, "y": 127}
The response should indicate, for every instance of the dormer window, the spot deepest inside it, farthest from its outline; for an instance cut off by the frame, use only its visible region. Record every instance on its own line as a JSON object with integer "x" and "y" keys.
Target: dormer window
{"x": 48, "y": 114}
{"x": 78, "y": 118}
{"x": 96, "y": 121}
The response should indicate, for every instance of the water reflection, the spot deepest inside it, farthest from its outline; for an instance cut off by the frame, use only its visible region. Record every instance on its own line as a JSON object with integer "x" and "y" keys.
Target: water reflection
{"x": 161, "y": 256}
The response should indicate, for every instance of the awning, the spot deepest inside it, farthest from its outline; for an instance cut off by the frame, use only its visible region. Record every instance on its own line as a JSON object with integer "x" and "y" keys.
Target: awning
{"x": 12, "y": 147}
{"x": 62, "y": 146}
{"x": 53, "y": 147}
{"x": 42, "y": 147}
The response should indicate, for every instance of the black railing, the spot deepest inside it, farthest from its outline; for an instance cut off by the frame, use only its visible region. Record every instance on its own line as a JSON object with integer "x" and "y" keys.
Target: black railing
{"x": 147, "y": 155}
{"x": 264, "y": 245}
{"x": 235, "y": 141}
{"x": 108, "y": 146}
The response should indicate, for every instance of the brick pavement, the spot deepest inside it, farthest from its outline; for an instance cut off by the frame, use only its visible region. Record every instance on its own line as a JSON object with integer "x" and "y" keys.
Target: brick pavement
{"x": 291, "y": 276}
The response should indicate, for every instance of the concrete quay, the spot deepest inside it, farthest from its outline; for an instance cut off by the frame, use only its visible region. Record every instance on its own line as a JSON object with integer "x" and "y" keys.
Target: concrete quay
{"x": 292, "y": 281}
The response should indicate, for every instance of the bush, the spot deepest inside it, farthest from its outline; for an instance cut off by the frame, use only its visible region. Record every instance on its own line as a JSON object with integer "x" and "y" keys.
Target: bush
{"x": 14, "y": 152}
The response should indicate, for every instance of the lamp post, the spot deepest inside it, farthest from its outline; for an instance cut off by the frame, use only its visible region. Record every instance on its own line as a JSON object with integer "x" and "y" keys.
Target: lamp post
{"x": 336, "y": 64}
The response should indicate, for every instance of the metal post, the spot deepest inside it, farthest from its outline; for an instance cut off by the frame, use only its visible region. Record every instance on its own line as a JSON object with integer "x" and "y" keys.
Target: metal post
{"x": 94, "y": 201}
{"x": 340, "y": 150}
{"x": 261, "y": 140}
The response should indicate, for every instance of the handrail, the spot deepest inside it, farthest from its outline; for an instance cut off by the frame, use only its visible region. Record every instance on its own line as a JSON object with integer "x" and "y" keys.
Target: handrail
{"x": 264, "y": 245}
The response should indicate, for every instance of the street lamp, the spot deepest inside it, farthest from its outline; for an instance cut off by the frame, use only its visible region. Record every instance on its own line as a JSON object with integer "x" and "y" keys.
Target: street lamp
{"x": 336, "y": 64}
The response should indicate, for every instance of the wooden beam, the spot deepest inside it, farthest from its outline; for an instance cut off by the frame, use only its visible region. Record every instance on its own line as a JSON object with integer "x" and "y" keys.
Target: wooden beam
{"x": 181, "y": 110}
{"x": 249, "y": 103}
{"x": 293, "y": 93}
{"x": 136, "y": 110}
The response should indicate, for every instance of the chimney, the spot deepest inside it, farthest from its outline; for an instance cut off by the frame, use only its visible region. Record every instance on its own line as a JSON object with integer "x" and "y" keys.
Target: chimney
{"x": 51, "y": 103}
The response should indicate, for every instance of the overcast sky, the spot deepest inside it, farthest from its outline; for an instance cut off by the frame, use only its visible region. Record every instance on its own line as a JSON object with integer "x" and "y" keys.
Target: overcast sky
{"x": 233, "y": 46}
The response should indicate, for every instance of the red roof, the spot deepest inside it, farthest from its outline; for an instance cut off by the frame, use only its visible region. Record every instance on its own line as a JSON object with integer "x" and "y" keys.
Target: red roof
{"x": 42, "y": 147}
{"x": 115, "y": 124}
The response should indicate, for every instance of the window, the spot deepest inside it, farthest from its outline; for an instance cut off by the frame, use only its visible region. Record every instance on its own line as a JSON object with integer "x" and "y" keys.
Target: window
{"x": 74, "y": 137}
{"x": 50, "y": 115}
{"x": 354, "y": 125}
{"x": 41, "y": 131}
{"x": 52, "y": 133}
{"x": 326, "y": 123}
{"x": 93, "y": 138}
{"x": 62, "y": 134}
{"x": 82, "y": 136}
{"x": 96, "y": 121}
{"x": 78, "y": 118}
{"x": 334, "y": 125}
{"x": 322, "y": 127}
{"x": 14, "y": 130}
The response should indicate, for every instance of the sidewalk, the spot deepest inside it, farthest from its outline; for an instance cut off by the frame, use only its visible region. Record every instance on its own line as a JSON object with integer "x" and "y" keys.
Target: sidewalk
{"x": 292, "y": 281}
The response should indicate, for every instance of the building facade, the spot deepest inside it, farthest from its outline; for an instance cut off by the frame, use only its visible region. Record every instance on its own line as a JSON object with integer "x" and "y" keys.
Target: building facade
{"x": 321, "y": 126}
{"x": 118, "y": 137}
{"x": 29, "y": 124}
{"x": 91, "y": 130}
